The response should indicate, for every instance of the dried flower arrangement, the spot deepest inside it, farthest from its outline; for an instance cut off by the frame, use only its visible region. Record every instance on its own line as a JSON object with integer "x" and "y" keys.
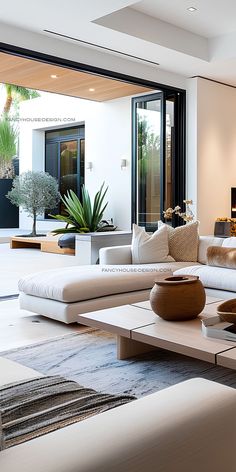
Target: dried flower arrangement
{"x": 187, "y": 216}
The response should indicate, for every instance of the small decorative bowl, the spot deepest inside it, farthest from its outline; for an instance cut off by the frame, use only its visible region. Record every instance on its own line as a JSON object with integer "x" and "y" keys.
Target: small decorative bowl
{"x": 227, "y": 311}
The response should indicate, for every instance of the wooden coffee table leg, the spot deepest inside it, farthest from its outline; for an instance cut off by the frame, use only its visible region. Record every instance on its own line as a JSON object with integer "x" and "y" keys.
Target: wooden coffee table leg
{"x": 129, "y": 348}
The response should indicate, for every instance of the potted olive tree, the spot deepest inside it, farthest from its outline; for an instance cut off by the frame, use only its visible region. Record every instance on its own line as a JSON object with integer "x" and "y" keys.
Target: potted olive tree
{"x": 34, "y": 192}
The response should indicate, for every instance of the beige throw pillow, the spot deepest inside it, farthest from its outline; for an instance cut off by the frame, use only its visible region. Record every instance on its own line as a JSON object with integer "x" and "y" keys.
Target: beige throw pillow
{"x": 147, "y": 249}
{"x": 183, "y": 241}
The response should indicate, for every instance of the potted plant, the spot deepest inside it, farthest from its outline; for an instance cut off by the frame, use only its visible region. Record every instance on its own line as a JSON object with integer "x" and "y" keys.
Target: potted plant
{"x": 83, "y": 216}
{"x": 9, "y": 162}
{"x": 35, "y": 192}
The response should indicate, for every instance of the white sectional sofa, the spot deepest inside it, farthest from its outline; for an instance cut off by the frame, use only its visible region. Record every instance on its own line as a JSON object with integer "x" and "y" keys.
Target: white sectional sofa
{"x": 65, "y": 293}
{"x": 188, "y": 427}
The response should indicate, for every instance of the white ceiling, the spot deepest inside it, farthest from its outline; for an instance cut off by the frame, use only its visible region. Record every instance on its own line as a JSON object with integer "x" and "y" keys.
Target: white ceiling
{"x": 200, "y": 43}
{"x": 212, "y": 18}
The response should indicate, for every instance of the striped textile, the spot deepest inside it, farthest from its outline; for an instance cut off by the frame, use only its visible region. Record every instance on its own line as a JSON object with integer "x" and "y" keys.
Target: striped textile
{"x": 35, "y": 407}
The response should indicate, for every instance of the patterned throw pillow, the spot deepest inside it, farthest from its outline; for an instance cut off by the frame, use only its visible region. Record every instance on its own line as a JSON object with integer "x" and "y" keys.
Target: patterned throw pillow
{"x": 183, "y": 241}
{"x": 147, "y": 249}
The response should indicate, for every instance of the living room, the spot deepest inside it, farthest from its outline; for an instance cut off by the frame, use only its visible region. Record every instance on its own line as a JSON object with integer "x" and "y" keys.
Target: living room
{"x": 88, "y": 333}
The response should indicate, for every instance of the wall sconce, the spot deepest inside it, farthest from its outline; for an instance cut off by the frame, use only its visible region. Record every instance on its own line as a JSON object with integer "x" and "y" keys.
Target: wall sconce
{"x": 89, "y": 166}
{"x": 123, "y": 164}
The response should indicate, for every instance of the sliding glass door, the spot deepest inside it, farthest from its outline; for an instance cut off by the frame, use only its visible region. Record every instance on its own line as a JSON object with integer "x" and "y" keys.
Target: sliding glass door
{"x": 157, "y": 164}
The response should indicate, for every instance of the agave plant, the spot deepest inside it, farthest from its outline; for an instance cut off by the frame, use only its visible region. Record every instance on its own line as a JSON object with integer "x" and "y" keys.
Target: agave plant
{"x": 82, "y": 217}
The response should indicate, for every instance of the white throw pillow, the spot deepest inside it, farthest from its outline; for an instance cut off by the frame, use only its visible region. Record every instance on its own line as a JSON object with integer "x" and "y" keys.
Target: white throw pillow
{"x": 183, "y": 241}
{"x": 148, "y": 248}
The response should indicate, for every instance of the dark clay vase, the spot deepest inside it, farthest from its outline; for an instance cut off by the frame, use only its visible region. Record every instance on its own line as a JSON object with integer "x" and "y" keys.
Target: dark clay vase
{"x": 178, "y": 298}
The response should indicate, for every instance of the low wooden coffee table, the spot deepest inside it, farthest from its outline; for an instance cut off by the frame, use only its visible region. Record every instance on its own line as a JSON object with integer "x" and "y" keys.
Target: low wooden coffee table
{"x": 139, "y": 330}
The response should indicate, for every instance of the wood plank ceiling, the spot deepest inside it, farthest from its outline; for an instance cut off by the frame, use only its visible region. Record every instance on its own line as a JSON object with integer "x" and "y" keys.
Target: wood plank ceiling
{"x": 49, "y": 78}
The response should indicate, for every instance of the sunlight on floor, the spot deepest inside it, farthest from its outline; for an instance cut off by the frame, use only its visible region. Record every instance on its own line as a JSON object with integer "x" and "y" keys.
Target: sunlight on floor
{"x": 21, "y": 328}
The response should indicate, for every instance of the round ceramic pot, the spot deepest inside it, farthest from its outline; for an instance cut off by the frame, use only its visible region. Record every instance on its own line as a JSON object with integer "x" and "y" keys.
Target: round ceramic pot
{"x": 178, "y": 298}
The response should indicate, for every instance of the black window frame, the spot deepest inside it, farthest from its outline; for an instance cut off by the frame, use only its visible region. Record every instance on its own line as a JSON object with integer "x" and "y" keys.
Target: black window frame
{"x": 179, "y": 160}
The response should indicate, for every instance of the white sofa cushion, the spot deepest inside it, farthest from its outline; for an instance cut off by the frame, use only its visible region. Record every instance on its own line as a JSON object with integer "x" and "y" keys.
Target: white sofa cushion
{"x": 229, "y": 242}
{"x": 73, "y": 284}
{"x": 148, "y": 248}
{"x": 212, "y": 277}
{"x": 183, "y": 241}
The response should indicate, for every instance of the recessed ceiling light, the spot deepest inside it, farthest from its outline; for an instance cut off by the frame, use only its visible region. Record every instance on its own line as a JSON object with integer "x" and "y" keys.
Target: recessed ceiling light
{"x": 53, "y": 76}
{"x": 92, "y": 90}
{"x": 192, "y": 9}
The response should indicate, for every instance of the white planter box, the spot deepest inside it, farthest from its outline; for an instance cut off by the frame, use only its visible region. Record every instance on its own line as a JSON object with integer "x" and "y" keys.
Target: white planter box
{"x": 87, "y": 246}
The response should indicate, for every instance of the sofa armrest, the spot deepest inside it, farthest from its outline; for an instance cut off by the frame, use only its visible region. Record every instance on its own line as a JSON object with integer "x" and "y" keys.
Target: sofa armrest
{"x": 115, "y": 255}
{"x": 188, "y": 427}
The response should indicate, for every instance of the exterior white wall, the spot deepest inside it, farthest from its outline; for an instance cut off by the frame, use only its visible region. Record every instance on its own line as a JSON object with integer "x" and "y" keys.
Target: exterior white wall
{"x": 211, "y": 150}
{"x": 107, "y": 141}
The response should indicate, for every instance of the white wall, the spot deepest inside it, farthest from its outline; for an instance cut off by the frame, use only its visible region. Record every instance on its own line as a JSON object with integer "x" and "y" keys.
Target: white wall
{"x": 191, "y": 148}
{"x": 212, "y": 150}
{"x": 108, "y": 140}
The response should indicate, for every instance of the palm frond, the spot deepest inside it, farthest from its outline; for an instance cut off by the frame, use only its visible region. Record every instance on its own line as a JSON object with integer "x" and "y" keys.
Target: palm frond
{"x": 23, "y": 93}
{"x": 8, "y": 137}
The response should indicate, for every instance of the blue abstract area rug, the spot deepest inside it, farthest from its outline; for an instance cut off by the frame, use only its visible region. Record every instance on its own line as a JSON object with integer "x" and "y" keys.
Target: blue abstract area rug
{"x": 89, "y": 358}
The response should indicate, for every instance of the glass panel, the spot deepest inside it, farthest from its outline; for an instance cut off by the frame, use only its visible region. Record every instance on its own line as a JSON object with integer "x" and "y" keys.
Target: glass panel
{"x": 62, "y": 132}
{"x": 169, "y": 152}
{"x": 51, "y": 166}
{"x": 148, "y": 150}
{"x": 51, "y": 162}
{"x": 68, "y": 164}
